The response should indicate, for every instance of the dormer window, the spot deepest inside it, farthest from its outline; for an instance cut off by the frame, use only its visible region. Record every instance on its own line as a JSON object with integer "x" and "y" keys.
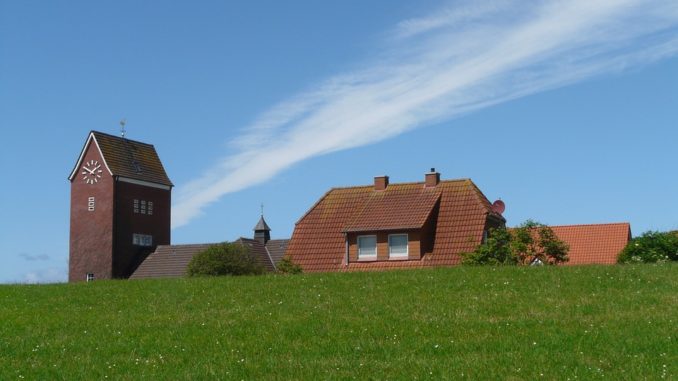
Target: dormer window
{"x": 397, "y": 246}
{"x": 367, "y": 247}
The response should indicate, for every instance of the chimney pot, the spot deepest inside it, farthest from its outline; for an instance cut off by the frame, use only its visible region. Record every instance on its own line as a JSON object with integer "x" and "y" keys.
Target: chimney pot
{"x": 432, "y": 178}
{"x": 380, "y": 182}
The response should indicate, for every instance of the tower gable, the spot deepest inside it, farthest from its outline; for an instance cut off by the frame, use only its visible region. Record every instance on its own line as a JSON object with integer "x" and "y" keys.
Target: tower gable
{"x": 128, "y": 160}
{"x": 91, "y": 139}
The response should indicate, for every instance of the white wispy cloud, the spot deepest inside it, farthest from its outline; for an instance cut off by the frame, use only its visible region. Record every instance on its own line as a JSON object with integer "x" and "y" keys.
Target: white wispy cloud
{"x": 453, "y": 61}
{"x": 34, "y": 257}
{"x": 48, "y": 275}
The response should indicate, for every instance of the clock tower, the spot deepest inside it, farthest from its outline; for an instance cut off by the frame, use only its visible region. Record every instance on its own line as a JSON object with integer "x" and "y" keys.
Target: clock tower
{"x": 120, "y": 207}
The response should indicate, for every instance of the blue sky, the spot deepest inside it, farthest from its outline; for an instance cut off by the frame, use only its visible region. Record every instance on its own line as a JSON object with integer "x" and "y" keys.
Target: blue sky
{"x": 565, "y": 110}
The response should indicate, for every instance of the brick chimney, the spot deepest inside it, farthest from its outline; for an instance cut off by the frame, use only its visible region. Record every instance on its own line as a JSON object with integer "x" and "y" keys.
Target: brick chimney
{"x": 380, "y": 182}
{"x": 432, "y": 178}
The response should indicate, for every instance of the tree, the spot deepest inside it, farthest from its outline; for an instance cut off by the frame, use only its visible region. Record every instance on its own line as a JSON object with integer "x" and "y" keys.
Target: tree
{"x": 532, "y": 240}
{"x": 286, "y": 266}
{"x": 496, "y": 250}
{"x": 224, "y": 259}
{"x": 651, "y": 247}
{"x": 519, "y": 246}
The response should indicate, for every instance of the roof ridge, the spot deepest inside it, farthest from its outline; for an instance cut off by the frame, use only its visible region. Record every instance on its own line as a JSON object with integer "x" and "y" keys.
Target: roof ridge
{"x": 270, "y": 258}
{"x": 404, "y": 183}
{"x": 593, "y": 224}
{"x": 324, "y": 196}
{"x": 187, "y": 244}
{"x": 121, "y": 138}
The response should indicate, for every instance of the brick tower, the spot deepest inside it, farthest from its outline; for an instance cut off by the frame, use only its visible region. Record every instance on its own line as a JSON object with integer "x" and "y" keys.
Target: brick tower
{"x": 120, "y": 207}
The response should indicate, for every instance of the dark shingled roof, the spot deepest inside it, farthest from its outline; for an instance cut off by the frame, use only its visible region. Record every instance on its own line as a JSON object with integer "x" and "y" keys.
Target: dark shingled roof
{"x": 132, "y": 159}
{"x": 261, "y": 225}
{"x": 168, "y": 261}
{"x": 276, "y": 249}
{"x": 172, "y": 260}
{"x": 259, "y": 251}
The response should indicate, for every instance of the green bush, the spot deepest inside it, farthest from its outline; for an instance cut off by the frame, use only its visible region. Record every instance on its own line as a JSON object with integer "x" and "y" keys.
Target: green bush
{"x": 496, "y": 250}
{"x": 286, "y": 266}
{"x": 651, "y": 247}
{"x": 224, "y": 259}
{"x": 519, "y": 246}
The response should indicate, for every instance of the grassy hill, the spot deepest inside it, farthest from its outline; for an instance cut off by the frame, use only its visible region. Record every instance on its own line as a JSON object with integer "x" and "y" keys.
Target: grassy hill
{"x": 618, "y": 322}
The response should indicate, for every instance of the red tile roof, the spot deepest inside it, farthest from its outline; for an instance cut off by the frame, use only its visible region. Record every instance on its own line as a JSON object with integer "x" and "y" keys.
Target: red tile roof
{"x": 406, "y": 207}
{"x": 318, "y": 242}
{"x": 594, "y": 244}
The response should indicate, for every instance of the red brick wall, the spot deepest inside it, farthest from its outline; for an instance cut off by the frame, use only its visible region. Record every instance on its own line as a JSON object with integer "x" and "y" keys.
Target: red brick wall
{"x": 128, "y": 256}
{"x": 91, "y": 240}
{"x": 414, "y": 245}
{"x": 101, "y": 240}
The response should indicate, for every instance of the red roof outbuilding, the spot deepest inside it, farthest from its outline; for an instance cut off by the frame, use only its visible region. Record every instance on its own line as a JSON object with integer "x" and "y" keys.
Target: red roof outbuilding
{"x": 594, "y": 243}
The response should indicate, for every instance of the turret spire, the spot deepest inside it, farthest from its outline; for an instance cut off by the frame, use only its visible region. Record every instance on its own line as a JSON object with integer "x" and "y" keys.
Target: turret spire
{"x": 262, "y": 232}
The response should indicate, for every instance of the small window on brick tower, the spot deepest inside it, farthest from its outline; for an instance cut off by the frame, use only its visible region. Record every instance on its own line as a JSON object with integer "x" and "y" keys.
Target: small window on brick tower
{"x": 90, "y": 204}
{"x": 136, "y": 206}
{"x": 143, "y": 207}
{"x": 142, "y": 240}
{"x": 150, "y": 207}
{"x": 90, "y": 277}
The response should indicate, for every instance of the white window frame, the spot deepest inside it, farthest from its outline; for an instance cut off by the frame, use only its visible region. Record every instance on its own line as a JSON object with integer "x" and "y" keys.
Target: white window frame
{"x": 136, "y": 205}
{"x": 149, "y": 209}
{"x": 407, "y": 247}
{"x": 368, "y": 257}
{"x": 89, "y": 277}
{"x": 90, "y": 204}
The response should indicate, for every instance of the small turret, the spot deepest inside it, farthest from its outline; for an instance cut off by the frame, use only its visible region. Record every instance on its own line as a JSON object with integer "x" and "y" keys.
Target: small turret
{"x": 262, "y": 232}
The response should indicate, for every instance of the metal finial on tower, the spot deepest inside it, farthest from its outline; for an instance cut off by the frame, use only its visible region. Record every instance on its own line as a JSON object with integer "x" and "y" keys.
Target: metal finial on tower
{"x": 262, "y": 209}
{"x": 123, "y": 122}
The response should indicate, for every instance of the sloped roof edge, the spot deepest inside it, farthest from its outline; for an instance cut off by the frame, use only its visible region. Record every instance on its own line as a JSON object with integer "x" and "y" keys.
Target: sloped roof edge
{"x": 90, "y": 136}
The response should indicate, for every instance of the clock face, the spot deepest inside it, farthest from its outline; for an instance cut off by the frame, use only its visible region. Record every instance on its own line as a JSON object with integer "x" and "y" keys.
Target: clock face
{"x": 91, "y": 172}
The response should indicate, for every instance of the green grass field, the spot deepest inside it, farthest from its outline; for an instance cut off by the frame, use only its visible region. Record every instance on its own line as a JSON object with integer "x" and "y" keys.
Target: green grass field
{"x": 585, "y": 323}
